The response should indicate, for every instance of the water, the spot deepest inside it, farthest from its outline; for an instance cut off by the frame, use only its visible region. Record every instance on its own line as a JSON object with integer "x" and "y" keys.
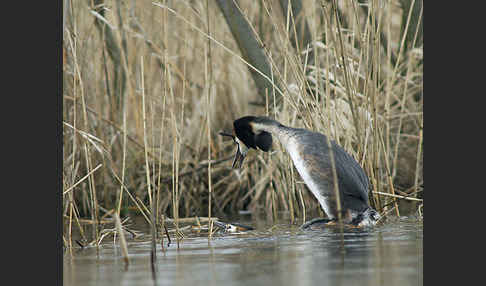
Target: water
{"x": 391, "y": 254}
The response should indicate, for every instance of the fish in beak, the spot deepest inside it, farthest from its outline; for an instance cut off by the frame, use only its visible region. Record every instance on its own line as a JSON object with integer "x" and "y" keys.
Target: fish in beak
{"x": 240, "y": 155}
{"x": 241, "y": 150}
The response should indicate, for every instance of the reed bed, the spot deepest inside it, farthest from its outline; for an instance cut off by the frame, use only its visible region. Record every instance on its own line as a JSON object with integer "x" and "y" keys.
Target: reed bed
{"x": 149, "y": 85}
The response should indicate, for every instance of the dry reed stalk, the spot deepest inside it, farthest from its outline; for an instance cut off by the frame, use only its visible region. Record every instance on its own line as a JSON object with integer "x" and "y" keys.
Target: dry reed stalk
{"x": 74, "y": 144}
{"x": 124, "y": 152}
{"x": 331, "y": 150}
{"x": 82, "y": 179}
{"x": 153, "y": 224}
{"x": 70, "y": 229}
{"x": 88, "y": 221}
{"x": 162, "y": 124}
{"x": 400, "y": 122}
{"x": 291, "y": 191}
{"x": 208, "y": 75}
{"x": 388, "y": 172}
{"x": 397, "y": 196}
{"x": 121, "y": 239}
{"x": 88, "y": 162}
{"x": 73, "y": 45}
{"x": 350, "y": 91}
{"x": 373, "y": 59}
{"x": 168, "y": 91}
{"x": 419, "y": 153}
{"x": 144, "y": 119}
{"x": 388, "y": 82}
{"x": 73, "y": 213}
{"x": 141, "y": 207}
{"x": 161, "y": 142}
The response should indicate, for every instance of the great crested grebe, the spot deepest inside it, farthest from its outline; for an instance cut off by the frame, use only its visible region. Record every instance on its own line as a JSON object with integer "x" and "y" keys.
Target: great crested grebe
{"x": 310, "y": 153}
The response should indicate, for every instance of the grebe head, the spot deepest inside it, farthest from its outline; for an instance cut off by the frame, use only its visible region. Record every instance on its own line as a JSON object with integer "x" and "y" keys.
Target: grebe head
{"x": 246, "y": 136}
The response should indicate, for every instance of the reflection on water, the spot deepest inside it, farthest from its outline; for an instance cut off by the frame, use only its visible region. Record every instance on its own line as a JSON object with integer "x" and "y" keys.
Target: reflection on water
{"x": 391, "y": 254}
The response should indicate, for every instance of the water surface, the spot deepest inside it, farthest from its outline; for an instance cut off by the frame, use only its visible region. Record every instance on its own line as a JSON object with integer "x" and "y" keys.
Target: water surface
{"x": 391, "y": 254}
